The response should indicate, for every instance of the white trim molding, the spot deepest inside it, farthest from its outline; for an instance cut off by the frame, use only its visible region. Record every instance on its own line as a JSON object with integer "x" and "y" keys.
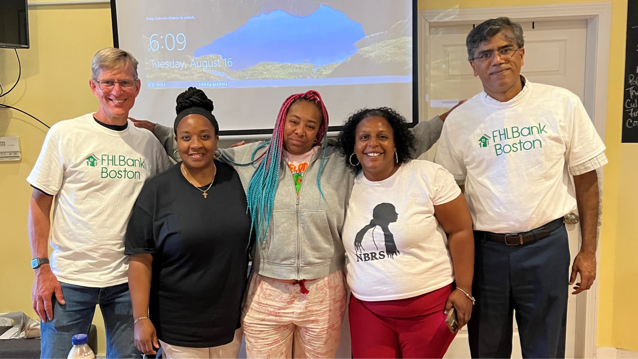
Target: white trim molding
{"x": 615, "y": 353}
{"x": 598, "y": 17}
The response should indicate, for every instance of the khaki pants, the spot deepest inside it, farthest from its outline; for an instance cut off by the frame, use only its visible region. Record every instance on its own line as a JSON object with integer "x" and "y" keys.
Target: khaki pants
{"x": 230, "y": 350}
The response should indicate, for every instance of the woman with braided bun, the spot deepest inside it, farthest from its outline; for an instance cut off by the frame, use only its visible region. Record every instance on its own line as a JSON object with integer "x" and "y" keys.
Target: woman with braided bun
{"x": 188, "y": 241}
{"x": 298, "y": 188}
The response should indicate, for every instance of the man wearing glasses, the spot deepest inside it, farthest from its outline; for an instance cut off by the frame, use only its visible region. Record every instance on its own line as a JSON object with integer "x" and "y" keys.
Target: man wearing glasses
{"x": 92, "y": 167}
{"x": 514, "y": 147}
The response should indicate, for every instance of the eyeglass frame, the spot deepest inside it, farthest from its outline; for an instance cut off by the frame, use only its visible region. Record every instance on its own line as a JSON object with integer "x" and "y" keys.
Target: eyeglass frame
{"x": 504, "y": 57}
{"x": 123, "y": 87}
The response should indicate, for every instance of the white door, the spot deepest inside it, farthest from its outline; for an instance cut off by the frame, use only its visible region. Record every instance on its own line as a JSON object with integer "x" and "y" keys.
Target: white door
{"x": 554, "y": 55}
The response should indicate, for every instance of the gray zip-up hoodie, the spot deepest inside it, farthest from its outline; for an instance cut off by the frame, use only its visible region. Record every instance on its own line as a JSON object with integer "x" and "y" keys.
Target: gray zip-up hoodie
{"x": 304, "y": 236}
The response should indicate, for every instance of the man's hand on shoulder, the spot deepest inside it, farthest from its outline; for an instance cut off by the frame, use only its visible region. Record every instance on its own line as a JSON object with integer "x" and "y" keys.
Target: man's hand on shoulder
{"x": 444, "y": 115}
{"x": 45, "y": 286}
{"x": 143, "y": 124}
{"x": 585, "y": 265}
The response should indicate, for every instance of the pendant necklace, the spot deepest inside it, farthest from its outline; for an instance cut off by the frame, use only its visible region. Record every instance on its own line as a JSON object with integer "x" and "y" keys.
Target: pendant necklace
{"x": 185, "y": 173}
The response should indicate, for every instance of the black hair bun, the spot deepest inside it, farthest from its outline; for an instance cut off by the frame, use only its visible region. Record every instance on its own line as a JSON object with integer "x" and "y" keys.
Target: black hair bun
{"x": 193, "y": 97}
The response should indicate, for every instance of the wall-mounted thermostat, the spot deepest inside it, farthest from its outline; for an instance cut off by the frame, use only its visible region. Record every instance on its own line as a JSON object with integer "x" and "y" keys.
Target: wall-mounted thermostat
{"x": 10, "y": 149}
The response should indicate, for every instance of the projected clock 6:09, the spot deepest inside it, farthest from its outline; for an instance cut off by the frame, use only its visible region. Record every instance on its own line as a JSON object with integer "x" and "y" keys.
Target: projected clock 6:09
{"x": 171, "y": 42}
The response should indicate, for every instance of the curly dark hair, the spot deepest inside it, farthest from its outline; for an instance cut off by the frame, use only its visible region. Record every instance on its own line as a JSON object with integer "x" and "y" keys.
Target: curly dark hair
{"x": 404, "y": 140}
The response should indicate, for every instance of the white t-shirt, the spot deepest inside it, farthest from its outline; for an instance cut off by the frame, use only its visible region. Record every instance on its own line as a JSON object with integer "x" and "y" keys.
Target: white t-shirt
{"x": 95, "y": 175}
{"x": 513, "y": 156}
{"x": 395, "y": 247}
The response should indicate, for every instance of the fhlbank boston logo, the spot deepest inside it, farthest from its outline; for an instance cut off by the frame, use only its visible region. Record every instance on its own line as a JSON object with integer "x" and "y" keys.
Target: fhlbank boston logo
{"x": 514, "y": 139}
{"x": 117, "y": 166}
{"x": 484, "y": 141}
{"x": 91, "y": 161}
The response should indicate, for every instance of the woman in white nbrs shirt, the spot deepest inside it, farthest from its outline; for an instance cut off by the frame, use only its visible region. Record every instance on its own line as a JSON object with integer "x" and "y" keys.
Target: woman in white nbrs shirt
{"x": 409, "y": 243}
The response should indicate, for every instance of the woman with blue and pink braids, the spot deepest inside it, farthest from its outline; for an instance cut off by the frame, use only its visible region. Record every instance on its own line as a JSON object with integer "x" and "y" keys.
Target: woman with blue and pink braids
{"x": 298, "y": 187}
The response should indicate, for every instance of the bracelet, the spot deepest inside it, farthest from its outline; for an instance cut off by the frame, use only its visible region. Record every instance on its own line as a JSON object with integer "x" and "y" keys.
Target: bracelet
{"x": 468, "y": 296}
{"x": 140, "y": 318}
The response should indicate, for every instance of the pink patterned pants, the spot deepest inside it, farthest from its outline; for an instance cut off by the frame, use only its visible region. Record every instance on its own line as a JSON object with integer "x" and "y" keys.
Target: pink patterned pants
{"x": 281, "y": 322}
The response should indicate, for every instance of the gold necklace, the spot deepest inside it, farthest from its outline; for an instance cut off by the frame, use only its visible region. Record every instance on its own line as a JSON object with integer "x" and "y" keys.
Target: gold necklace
{"x": 185, "y": 173}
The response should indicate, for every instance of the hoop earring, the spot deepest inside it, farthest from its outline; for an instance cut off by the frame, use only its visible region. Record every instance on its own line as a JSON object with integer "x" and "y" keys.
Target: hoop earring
{"x": 176, "y": 156}
{"x": 218, "y": 155}
{"x": 350, "y": 160}
{"x": 396, "y": 157}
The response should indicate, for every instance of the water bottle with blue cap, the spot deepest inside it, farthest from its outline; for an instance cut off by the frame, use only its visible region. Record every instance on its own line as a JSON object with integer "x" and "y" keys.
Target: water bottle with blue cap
{"x": 81, "y": 349}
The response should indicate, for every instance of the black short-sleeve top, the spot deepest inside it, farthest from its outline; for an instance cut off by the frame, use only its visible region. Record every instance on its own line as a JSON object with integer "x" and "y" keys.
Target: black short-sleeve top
{"x": 200, "y": 255}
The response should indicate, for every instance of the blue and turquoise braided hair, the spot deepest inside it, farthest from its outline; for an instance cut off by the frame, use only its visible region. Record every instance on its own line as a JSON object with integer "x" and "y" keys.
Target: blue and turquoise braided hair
{"x": 263, "y": 184}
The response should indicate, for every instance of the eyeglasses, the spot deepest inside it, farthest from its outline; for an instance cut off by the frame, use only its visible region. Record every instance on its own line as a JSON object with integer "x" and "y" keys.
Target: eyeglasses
{"x": 109, "y": 84}
{"x": 505, "y": 54}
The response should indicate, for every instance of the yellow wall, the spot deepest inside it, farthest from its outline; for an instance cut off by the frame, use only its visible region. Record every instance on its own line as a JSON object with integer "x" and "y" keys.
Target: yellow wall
{"x": 54, "y": 87}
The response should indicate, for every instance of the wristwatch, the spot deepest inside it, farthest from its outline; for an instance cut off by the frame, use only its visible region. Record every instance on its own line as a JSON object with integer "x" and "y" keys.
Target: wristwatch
{"x": 37, "y": 262}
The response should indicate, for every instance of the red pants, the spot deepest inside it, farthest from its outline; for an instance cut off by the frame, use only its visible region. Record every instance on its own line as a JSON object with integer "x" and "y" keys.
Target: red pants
{"x": 406, "y": 328}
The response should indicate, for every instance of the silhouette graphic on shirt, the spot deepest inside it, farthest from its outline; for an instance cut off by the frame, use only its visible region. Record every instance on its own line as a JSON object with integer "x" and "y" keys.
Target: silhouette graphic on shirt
{"x": 382, "y": 215}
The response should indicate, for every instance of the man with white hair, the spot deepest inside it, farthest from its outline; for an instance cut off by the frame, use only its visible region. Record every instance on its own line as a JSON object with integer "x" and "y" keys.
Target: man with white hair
{"x": 92, "y": 167}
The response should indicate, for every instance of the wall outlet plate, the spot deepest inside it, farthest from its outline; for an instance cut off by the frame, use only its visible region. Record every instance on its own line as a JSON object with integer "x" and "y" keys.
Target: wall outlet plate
{"x": 10, "y": 149}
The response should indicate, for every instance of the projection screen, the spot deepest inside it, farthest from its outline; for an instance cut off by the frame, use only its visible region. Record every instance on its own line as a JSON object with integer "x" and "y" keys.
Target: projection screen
{"x": 249, "y": 55}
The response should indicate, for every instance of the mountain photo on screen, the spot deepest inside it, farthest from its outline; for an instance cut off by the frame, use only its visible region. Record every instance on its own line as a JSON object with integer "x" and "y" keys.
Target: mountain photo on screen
{"x": 264, "y": 43}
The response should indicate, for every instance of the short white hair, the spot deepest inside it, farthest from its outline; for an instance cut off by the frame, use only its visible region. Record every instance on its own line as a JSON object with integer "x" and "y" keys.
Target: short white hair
{"x": 112, "y": 58}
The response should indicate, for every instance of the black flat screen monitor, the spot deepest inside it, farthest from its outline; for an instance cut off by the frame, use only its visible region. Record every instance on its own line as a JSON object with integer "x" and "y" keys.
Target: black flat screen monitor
{"x": 14, "y": 25}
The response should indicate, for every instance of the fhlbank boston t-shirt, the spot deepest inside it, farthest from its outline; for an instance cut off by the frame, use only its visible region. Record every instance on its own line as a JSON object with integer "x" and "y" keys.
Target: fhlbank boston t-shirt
{"x": 395, "y": 247}
{"x": 513, "y": 156}
{"x": 96, "y": 175}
